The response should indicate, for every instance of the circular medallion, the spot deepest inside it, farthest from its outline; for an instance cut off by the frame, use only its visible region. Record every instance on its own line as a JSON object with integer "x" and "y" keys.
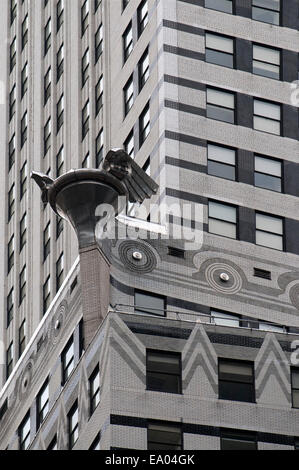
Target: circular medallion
{"x": 230, "y": 285}
{"x": 144, "y": 263}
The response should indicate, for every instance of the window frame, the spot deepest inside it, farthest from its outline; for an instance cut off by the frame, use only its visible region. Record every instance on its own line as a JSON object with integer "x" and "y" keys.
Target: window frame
{"x": 234, "y": 110}
{"x": 166, "y": 424}
{"x": 265, "y": 231}
{"x": 219, "y": 51}
{"x": 236, "y": 224}
{"x": 178, "y": 375}
{"x": 231, "y": 380}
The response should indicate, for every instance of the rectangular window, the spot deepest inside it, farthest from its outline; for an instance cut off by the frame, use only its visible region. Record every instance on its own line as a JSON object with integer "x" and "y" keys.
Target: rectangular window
{"x": 22, "y": 338}
{"x": 98, "y": 43}
{"x": 164, "y": 436}
{"x": 222, "y": 219}
{"x": 67, "y": 360}
{"x": 24, "y": 432}
{"x": 236, "y": 380}
{"x": 266, "y": 61}
{"x": 267, "y": 117}
{"x": 60, "y": 113}
{"x": 127, "y": 42}
{"x": 219, "y": 50}
{"x": 46, "y": 295}
{"x": 163, "y": 371}
{"x": 11, "y": 151}
{"x": 22, "y": 285}
{"x": 96, "y": 443}
{"x": 9, "y": 307}
{"x": 24, "y": 80}
{"x": 47, "y": 136}
{"x": 220, "y": 105}
{"x": 42, "y": 404}
{"x": 267, "y": 173}
{"x": 84, "y": 17}
{"x": 267, "y": 11}
{"x": 23, "y": 180}
{"x": 47, "y": 85}
{"x": 24, "y": 124}
{"x": 73, "y": 425}
{"x": 142, "y": 16}
{"x": 85, "y": 67}
{"x": 60, "y": 162}
{"x": 86, "y": 161}
{"x": 143, "y": 69}
{"x": 53, "y": 444}
{"x": 13, "y": 54}
{"x": 24, "y": 32}
{"x": 85, "y": 120}
{"x": 46, "y": 241}
{"x": 224, "y": 319}
{"x": 59, "y": 14}
{"x": 11, "y": 202}
{"x": 144, "y": 125}
{"x": 94, "y": 390}
{"x": 295, "y": 387}
{"x": 9, "y": 360}
{"x": 99, "y": 94}
{"x": 99, "y": 148}
{"x": 10, "y": 254}
{"x": 220, "y": 5}
{"x": 59, "y": 272}
{"x": 147, "y": 303}
{"x": 232, "y": 439}
{"x": 13, "y": 10}
{"x": 60, "y": 62}
{"x": 128, "y": 92}
{"x": 129, "y": 144}
{"x": 59, "y": 226}
{"x": 47, "y": 39}
{"x": 12, "y": 103}
{"x": 23, "y": 232}
{"x": 221, "y": 162}
{"x": 269, "y": 231}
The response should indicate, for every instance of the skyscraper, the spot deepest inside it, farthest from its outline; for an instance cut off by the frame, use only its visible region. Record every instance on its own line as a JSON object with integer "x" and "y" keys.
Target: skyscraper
{"x": 196, "y": 350}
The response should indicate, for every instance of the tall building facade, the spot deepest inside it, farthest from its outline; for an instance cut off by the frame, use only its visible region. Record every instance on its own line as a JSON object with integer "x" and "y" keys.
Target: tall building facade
{"x": 196, "y": 349}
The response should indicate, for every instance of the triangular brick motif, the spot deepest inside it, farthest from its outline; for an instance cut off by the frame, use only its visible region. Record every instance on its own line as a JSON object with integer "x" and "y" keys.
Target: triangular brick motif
{"x": 62, "y": 428}
{"x": 271, "y": 361}
{"x": 199, "y": 352}
{"x": 83, "y": 397}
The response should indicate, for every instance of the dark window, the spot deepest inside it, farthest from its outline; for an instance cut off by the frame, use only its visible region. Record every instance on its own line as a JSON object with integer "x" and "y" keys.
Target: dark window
{"x": 144, "y": 124}
{"x": 47, "y": 85}
{"x": 24, "y": 123}
{"x": 267, "y": 11}
{"x": 164, "y": 436}
{"x": 46, "y": 241}
{"x": 96, "y": 443}
{"x": 47, "y": 40}
{"x": 128, "y": 95}
{"x": 221, "y": 105}
{"x": 22, "y": 338}
{"x": 42, "y": 404}
{"x": 59, "y": 14}
{"x": 10, "y": 306}
{"x": 23, "y": 232}
{"x": 237, "y": 440}
{"x": 163, "y": 371}
{"x": 47, "y": 136}
{"x": 25, "y": 32}
{"x": 142, "y": 16}
{"x": 143, "y": 69}
{"x": 24, "y": 432}
{"x": 46, "y": 295}
{"x": 220, "y": 5}
{"x": 67, "y": 360}
{"x": 129, "y": 144}
{"x": 73, "y": 425}
{"x": 94, "y": 389}
{"x": 219, "y": 50}
{"x": 10, "y": 254}
{"x": 60, "y": 62}
{"x": 59, "y": 272}
{"x": 295, "y": 387}
{"x": 53, "y": 444}
{"x": 84, "y": 17}
{"x": 127, "y": 42}
{"x": 98, "y": 42}
{"x": 99, "y": 147}
{"x": 177, "y": 252}
{"x": 99, "y": 94}
{"x": 147, "y": 303}
{"x": 221, "y": 162}
{"x": 236, "y": 380}
{"x": 262, "y": 273}
{"x": 9, "y": 360}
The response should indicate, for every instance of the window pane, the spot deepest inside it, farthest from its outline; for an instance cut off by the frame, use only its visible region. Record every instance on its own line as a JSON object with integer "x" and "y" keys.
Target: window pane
{"x": 266, "y": 125}
{"x": 295, "y": 379}
{"x": 221, "y": 114}
{"x": 266, "y": 54}
{"x": 236, "y": 368}
{"x": 265, "y": 109}
{"x": 268, "y": 182}
{"x": 269, "y": 240}
{"x": 234, "y": 444}
{"x": 225, "y": 229}
{"x": 267, "y": 327}
{"x": 237, "y": 391}
{"x": 163, "y": 382}
{"x": 295, "y": 395}
{"x": 163, "y": 362}
{"x": 266, "y": 70}
{"x": 219, "y": 58}
{"x": 221, "y": 170}
{"x": 221, "y": 154}
{"x": 269, "y": 224}
{"x": 270, "y": 4}
{"x": 220, "y": 98}
{"x": 222, "y": 212}
{"x": 265, "y": 16}
{"x": 266, "y": 165}
{"x": 221, "y": 5}
{"x": 145, "y": 303}
{"x": 221, "y": 318}
{"x": 221, "y": 43}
